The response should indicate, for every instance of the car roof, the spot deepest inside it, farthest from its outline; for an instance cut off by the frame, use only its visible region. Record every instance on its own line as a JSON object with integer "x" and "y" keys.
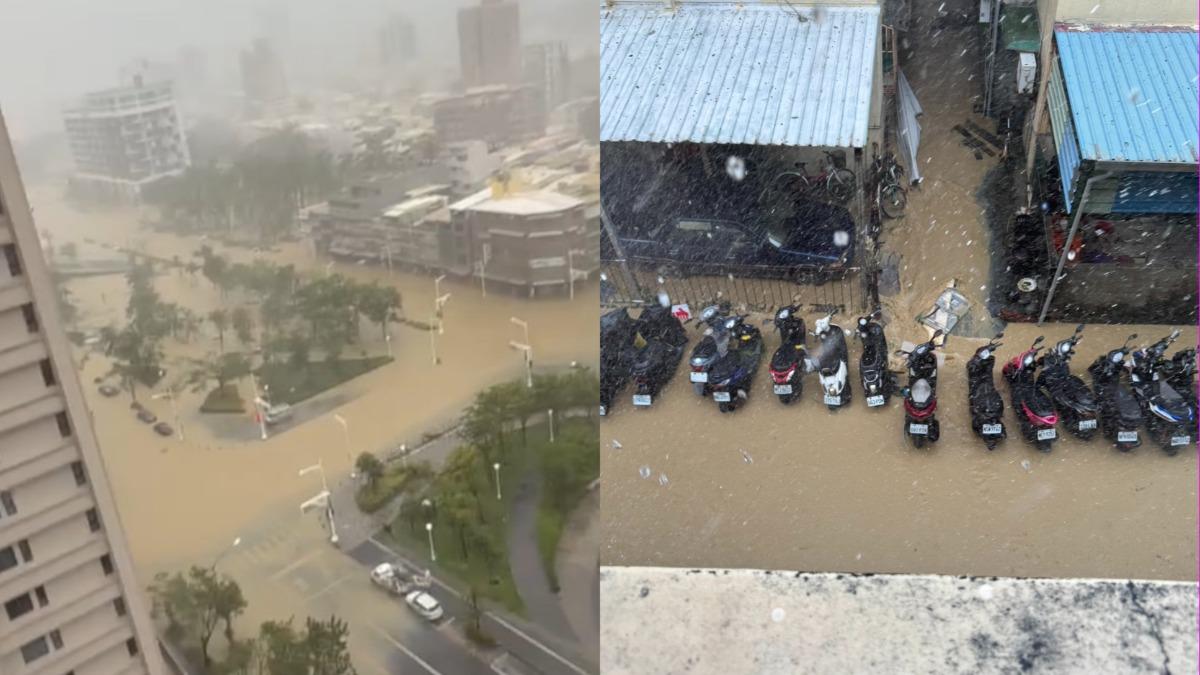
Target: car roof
{"x": 423, "y": 599}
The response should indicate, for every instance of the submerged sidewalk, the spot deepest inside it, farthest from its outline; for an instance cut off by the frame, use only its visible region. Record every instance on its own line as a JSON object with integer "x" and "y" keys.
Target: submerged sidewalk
{"x": 764, "y": 622}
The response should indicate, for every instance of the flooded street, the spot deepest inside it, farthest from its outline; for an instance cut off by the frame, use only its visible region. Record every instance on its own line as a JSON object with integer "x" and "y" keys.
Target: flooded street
{"x": 208, "y": 489}
{"x": 798, "y": 487}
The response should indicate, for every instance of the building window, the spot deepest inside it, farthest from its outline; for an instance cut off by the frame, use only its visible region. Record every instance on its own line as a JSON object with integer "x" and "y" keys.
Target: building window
{"x": 7, "y": 505}
{"x": 80, "y": 474}
{"x": 26, "y": 552}
{"x": 106, "y": 564}
{"x": 31, "y": 322}
{"x": 40, "y": 592}
{"x": 18, "y": 606}
{"x": 56, "y": 639}
{"x": 48, "y": 373}
{"x": 64, "y": 424}
{"x": 10, "y": 256}
{"x": 8, "y": 558}
{"x": 35, "y": 649}
{"x": 93, "y": 519}
{"x": 119, "y": 606}
{"x": 132, "y": 646}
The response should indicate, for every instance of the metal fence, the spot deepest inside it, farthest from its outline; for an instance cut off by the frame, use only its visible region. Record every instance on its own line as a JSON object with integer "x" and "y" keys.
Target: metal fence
{"x": 757, "y": 288}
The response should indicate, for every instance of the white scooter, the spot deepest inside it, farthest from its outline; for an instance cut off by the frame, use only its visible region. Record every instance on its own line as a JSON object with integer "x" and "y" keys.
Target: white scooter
{"x": 830, "y": 362}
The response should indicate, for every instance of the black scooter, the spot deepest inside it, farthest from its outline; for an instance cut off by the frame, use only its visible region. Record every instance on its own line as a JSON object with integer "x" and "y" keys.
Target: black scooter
{"x": 1170, "y": 420}
{"x": 987, "y": 405}
{"x": 617, "y": 329}
{"x": 877, "y": 381}
{"x": 1120, "y": 412}
{"x": 732, "y": 374}
{"x": 1076, "y": 405}
{"x": 790, "y": 360}
{"x": 656, "y": 361}
{"x": 1180, "y": 372}
{"x": 712, "y": 346}
{"x": 920, "y": 396}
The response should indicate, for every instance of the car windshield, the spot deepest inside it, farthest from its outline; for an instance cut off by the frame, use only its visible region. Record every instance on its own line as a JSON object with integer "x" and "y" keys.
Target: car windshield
{"x": 426, "y": 602}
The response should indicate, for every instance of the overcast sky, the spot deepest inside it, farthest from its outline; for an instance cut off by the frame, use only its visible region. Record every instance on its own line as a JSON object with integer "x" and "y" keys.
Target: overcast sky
{"x": 53, "y": 50}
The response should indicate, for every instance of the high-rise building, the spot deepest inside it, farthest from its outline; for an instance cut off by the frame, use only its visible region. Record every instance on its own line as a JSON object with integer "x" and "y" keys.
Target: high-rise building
{"x": 548, "y": 68}
{"x": 71, "y": 601}
{"x": 263, "y": 79}
{"x": 489, "y": 43}
{"x": 397, "y": 41}
{"x": 125, "y": 138}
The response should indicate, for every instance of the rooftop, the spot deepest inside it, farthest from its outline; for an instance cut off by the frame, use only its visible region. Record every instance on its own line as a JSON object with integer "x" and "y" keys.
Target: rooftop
{"x": 522, "y": 203}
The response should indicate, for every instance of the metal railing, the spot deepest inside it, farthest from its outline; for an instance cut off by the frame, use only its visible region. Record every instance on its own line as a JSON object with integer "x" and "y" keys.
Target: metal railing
{"x": 757, "y": 288}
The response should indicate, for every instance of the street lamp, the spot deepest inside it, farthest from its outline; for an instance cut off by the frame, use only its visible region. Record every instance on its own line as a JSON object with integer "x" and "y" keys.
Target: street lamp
{"x": 322, "y": 498}
{"x": 346, "y": 436}
{"x": 437, "y": 299}
{"x": 551, "y": 425}
{"x": 432, "y": 552}
{"x": 260, "y": 406}
{"x": 523, "y": 325}
{"x": 388, "y": 339}
{"x": 433, "y": 339}
{"x": 496, "y": 466}
{"x": 236, "y": 542}
{"x": 528, "y": 351}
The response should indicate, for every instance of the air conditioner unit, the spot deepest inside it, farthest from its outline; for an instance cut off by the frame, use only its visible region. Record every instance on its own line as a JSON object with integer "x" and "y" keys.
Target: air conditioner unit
{"x": 1026, "y": 72}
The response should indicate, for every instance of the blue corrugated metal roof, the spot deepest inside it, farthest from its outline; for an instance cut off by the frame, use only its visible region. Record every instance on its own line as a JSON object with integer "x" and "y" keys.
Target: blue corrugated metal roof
{"x": 765, "y": 75}
{"x": 1133, "y": 93}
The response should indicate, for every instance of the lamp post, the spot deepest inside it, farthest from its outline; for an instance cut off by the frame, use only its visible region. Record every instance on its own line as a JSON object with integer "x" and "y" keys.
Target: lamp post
{"x": 437, "y": 300}
{"x": 433, "y": 339}
{"x": 432, "y": 552}
{"x": 496, "y": 466}
{"x": 523, "y": 325}
{"x": 322, "y": 498}
{"x": 236, "y": 542}
{"x": 551, "y": 411}
{"x": 346, "y": 436}
{"x": 388, "y": 339}
{"x": 260, "y": 405}
{"x": 528, "y": 352}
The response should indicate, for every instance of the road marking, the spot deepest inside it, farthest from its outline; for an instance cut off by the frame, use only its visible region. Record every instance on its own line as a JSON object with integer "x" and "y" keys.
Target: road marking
{"x": 541, "y": 646}
{"x": 330, "y": 586}
{"x": 297, "y": 563}
{"x": 406, "y": 650}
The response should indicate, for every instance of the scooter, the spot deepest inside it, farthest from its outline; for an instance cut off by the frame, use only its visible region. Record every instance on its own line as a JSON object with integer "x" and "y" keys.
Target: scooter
{"x": 1035, "y": 411}
{"x": 1180, "y": 372}
{"x": 790, "y": 360}
{"x": 831, "y": 363}
{"x": 732, "y": 374}
{"x": 920, "y": 397}
{"x": 617, "y": 331}
{"x": 878, "y": 382}
{"x": 987, "y": 406}
{"x": 1074, "y": 401}
{"x": 656, "y": 360}
{"x": 1169, "y": 418}
{"x": 1120, "y": 412}
{"x": 711, "y": 347}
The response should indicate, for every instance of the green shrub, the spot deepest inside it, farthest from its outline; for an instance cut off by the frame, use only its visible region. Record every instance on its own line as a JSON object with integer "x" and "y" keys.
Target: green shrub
{"x": 223, "y": 400}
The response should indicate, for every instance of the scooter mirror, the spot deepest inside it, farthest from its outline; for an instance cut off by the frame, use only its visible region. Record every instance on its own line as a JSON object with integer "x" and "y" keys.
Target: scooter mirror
{"x": 1038, "y": 341}
{"x": 1078, "y": 329}
{"x": 1174, "y": 334}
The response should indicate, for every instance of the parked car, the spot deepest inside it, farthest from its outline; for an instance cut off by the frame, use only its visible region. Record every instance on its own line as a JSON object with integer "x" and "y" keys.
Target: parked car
{"x": 398, "y": 579}
{"x": 108, "y": 391}
{"x": 146, "y": 416}
{"x": 278, "y": 413}
{"x": 424, "y": 604}
{"x": 163, "y": 429}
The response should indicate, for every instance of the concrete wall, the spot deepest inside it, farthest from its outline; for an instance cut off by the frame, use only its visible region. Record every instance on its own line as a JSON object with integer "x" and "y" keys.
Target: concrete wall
{"x": 1154, "y": 12}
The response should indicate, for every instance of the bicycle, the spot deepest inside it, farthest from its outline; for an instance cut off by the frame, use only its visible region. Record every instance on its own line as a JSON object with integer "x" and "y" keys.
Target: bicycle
{"x": 890, "y": 193}
{"x": 837, "y": 182}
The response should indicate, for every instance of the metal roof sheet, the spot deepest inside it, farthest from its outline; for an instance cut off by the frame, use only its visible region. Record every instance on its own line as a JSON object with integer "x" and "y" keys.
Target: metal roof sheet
{"x": 1133, "y": 93}
{"x": 765, "y": 75}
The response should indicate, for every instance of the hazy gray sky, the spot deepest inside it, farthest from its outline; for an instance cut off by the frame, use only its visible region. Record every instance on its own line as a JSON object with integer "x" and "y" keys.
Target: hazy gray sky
{"x": 53, "y": 50}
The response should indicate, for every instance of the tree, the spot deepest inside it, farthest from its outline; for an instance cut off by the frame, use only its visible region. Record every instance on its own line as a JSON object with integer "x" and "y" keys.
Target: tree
{"x": 282, "y": 650}
{"x": 326, "y": 644}
{"x": 370, "y": 466}
{"x": 135, "y": 357}
{"x": 243, "y": 325}
{"x": 223, "y": 368}
{"x": 220, "y": 321}
{"x": 378, "y": 303}
{"x": 196, "y": 603}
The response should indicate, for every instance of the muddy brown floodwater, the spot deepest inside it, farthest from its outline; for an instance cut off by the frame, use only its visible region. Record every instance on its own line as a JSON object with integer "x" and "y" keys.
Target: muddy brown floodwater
{"x": 801, "y": 488}
{"x": 181, "y": 502}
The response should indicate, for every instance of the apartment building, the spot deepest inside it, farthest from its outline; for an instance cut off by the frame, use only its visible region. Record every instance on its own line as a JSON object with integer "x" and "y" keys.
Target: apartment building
{"x": 547, "y": 67}
{"x": 125, "y": 138}
{"x": 70, "y": 600}
{"x": 497, "y": 114}
{"x": 489, "y": 43}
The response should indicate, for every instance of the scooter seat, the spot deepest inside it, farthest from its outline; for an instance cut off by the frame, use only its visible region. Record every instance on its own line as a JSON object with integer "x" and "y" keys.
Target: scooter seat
{"x": 921, "y": 391}
{"x": 1077, "y": 395}
{"x": 1170, "y": 401}
{"x": 987, "y": 401}
{"x": 785, "y": 357}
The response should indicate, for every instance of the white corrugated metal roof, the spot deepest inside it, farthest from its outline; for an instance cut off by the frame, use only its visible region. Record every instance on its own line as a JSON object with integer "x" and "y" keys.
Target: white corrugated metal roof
{"x": 759, "y": 74}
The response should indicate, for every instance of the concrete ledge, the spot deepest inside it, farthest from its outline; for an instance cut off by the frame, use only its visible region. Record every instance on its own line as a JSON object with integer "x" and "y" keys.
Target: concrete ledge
{"x": 665, "y": 620}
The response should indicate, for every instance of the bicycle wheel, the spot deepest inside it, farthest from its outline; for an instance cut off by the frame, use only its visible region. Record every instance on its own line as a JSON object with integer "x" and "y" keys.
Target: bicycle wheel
{"x": 841, "y": 185}
{"x": 892, "y": 200}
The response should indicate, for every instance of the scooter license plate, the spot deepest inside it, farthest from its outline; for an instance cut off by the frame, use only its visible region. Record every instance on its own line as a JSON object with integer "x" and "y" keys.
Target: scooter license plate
{"x": 918, "y": 429}
{"x": 1046, "y": 434}
{"x": 1085, "y": 425}
{"x": 699, "y": 376}
{"x": 603, "y": 411}
{"x": 721, "y": 396}
{"x": 993, "y": 429}
{"x": 783, "y": 389}
{"x": 641, "y": 399}
{"x": 876, "y": 400}
{"x": 1180, "y": 440}
{"x": 1127, "y": 437}
{"x": 833, "y": 399}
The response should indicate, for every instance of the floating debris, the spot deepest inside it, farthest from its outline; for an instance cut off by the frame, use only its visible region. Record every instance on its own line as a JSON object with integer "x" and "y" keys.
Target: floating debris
{"x": 777, "y": 614}
{"x": 747, "y": 458}
{"x": 617, "y": 444}
{"x": 662, "y": 479}
{"x": 644, "y": 472}
{"x": 1025, "y": 464}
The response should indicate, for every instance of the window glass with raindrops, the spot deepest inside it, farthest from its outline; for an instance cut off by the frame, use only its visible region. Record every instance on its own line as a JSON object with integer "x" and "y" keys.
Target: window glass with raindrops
{"x": 898, "y": 336}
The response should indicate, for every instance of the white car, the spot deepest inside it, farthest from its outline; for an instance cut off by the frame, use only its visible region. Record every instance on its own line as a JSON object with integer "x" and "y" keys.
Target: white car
{"x": 278, "y": 413}
{"x": 424, "y": 604}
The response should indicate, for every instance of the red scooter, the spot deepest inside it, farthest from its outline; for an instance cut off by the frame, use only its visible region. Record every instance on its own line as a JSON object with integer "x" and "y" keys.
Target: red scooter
{"x": 1035, "y": 411}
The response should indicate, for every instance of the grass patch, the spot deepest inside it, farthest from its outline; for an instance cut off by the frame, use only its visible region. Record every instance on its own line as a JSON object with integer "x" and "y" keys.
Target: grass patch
{"x": 461, "y": 572}
{"x": 568, "y": 466}
{"x": 371, "y": 498}
{"x": 289, "y": 384}
{"x": 550, "y": 524}
{"x": 223, "y": 400}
